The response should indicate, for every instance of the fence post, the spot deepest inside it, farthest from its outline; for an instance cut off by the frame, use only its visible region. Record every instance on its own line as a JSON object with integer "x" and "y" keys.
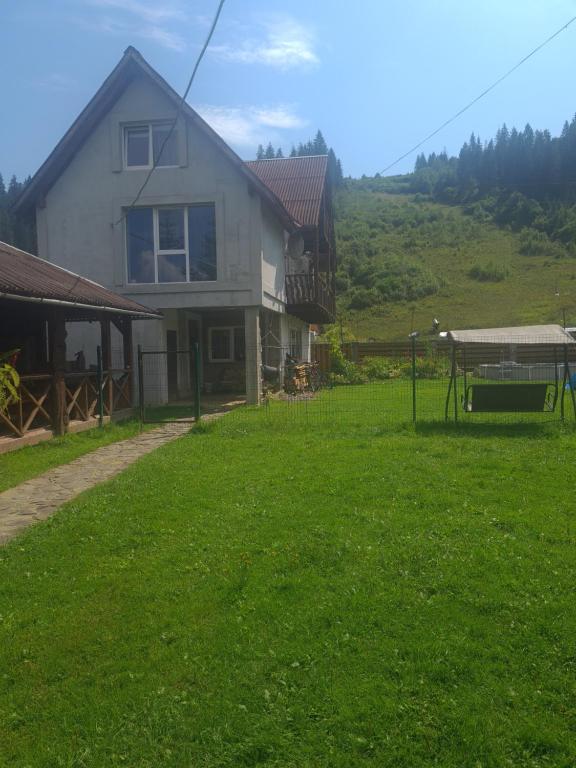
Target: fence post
{"x": 140, "y": 384}
{"x": 100, "y": 384}
{"x": 455, "y": 370}
{"x": 413, "y": 337}
{"x": 197, "y": 413}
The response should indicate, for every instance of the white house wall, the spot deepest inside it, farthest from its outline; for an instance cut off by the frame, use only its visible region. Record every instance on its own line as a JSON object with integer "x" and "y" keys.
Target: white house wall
{"x": 78, "y": 221}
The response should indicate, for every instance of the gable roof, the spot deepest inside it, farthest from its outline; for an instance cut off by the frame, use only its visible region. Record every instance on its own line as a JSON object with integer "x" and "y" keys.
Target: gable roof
{"x": 26, "y": 277}
{"x": 299, "y": 182}
{"x": 131, "y": 65}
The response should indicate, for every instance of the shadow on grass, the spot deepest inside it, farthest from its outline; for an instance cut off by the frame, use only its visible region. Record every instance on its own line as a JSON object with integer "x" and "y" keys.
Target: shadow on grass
{"x": 491, "y": 430}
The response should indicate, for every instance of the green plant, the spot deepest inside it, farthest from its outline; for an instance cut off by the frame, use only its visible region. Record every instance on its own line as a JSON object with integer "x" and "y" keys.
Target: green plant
{"x": 489, "y": 272}
{"x": 9, "y": 380}
{"x": 381, "y": 368}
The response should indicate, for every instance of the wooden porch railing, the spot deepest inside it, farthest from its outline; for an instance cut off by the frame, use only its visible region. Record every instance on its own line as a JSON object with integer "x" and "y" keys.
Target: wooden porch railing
{"x": 310, "y": 288}
{"x": 37, "y": 394}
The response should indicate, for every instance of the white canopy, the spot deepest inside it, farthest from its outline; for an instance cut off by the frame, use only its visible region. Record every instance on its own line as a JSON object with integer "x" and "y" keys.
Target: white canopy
{"x": 523, "y": 334}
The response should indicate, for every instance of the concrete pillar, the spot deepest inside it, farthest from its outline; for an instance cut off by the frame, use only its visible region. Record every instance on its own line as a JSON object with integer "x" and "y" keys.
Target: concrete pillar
{"x": 253, "y": 355}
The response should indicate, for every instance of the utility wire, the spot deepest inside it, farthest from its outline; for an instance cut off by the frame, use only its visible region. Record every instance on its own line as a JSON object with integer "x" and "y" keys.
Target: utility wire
{"x": 156, "y": 160}
{"x": 480, "y": 96}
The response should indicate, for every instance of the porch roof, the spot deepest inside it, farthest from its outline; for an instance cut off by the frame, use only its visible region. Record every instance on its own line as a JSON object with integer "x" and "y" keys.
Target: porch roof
{"x": 27, "y": 278}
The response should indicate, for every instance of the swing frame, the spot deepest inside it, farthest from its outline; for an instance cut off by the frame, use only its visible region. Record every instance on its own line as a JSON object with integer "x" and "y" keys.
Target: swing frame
{"x": 512, "y": 397}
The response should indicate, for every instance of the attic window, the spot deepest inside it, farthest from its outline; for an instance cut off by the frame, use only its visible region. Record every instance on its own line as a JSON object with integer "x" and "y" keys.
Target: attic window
{"x": 143, "y": 146}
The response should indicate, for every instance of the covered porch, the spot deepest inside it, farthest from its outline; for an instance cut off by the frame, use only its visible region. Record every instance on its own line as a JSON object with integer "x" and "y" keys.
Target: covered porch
{"x": 59, "y": 392}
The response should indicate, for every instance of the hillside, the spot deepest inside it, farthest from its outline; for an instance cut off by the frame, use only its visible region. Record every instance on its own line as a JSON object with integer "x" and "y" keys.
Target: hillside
{"x": 404, "y": 260}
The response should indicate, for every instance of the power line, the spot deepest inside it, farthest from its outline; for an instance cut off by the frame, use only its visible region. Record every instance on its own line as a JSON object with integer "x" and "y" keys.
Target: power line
{"x": 156, "y": 160}
{"x": 481, "y": 95}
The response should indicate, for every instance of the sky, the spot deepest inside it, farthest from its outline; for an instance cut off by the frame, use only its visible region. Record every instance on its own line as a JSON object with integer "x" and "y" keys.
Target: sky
{"x": 376, "y": 76}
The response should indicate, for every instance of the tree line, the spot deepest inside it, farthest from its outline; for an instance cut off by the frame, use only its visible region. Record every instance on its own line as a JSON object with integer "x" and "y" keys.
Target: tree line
{"x": 519, "y": 178}
{"x": 17, "y": 229}
{"x": 316, "y": 146}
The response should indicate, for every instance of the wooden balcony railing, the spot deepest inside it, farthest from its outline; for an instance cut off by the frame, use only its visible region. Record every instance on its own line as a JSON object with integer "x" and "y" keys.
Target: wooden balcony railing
{"x": 36, "y": 407}
{"x": 310, "y": 296}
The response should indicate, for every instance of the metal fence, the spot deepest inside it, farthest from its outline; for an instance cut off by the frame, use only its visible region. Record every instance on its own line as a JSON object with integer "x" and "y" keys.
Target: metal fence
{"x": 380, "y": 384}
{"x": 169, "y": 385}
{"x": 399, "y": 383}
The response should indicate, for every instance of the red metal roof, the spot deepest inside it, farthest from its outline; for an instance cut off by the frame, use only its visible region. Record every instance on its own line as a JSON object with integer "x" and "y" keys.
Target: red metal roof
{"x": 27, "y": 276}
{"x": 298, "y": 182}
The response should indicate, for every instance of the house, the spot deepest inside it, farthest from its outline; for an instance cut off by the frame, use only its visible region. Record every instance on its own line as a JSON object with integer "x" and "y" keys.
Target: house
{"x": 58, "y": 389}
{"x": 237, "y": 256}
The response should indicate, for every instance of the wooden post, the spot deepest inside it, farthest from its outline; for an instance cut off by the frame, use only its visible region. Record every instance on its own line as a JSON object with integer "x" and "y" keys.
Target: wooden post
{"x": 106, "y": 344}
{"x": 57, "y": 330}
{"x": 128, "y": 351}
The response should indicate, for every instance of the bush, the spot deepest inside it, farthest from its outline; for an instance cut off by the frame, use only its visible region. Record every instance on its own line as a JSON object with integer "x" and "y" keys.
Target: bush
{"x": 381, "y": 368}
{"x": 535, "y": 243}
{"x": 489, "y": 272}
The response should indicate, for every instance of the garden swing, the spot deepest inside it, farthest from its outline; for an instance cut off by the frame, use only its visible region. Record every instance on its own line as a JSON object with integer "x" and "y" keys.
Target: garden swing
{"x": 531, "y": 385}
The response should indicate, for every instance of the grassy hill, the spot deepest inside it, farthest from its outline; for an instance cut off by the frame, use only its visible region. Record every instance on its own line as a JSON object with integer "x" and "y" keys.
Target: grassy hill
{"x": 405, "y": 260}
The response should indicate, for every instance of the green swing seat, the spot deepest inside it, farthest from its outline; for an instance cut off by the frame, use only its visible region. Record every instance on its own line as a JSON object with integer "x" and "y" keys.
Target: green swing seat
{"x": 508, "y": 398}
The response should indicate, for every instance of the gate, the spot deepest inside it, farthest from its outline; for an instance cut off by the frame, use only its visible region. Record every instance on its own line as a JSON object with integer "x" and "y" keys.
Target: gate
{"x": 169, "y": 384}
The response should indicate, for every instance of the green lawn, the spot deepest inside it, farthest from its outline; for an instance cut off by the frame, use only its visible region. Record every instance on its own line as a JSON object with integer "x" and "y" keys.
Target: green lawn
{"x": 273, "y": 590}
{"x": 20, "y": 465}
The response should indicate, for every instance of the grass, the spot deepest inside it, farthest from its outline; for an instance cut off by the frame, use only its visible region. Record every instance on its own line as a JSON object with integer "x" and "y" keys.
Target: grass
{"x": 20, "y": 465}
{"x": 271, "y": 591}
{"x": 455, "y": 248}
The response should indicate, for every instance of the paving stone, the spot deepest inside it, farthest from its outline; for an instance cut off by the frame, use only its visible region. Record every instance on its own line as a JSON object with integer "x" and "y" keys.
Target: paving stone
{"x": 40, "y": 497}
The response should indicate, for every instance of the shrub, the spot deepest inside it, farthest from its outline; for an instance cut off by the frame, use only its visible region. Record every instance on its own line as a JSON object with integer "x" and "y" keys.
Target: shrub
{"x": 489, "y": 272}
{"x": 535, "y": 243}
{"x": 381, "y": 368}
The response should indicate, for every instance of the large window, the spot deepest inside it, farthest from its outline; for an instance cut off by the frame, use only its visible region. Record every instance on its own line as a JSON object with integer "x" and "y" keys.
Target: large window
{"x": 145, "y": 145}
{"x": 226, "y": 345}
{"x": 171, "y": 244}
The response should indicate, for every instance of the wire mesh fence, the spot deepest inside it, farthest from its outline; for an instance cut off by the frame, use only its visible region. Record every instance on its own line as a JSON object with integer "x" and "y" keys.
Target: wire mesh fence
{"x": 169, "y": 385}
{"x": 388, "y": 383}
{"x": 383, "y": 384}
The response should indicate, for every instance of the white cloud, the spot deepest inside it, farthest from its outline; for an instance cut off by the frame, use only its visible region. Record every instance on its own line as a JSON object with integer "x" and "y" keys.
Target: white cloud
{"x": 285, "y": 44}
{"x": 145, "y": 19}
{"x": 152, "y": 12}
{"x": 55, "y": 81}
{"x": 158, "y": 34}
{"x": 249, "y": 126}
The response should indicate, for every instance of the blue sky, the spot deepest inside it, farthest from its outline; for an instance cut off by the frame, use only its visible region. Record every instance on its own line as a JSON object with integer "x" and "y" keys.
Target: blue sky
{"x": 375, "y": 75}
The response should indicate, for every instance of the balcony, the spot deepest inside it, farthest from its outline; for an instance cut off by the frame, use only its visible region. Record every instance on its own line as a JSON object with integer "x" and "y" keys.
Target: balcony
{"x": 310, "y": 297}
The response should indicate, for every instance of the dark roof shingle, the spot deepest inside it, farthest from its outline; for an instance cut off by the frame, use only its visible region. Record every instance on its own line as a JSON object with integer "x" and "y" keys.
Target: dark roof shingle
{"x": 27, "y": 276}
{"x": 298, "y": 182}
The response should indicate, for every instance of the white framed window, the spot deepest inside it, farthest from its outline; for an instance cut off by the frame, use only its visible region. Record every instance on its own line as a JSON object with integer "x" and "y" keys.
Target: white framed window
{"x": 226, "y": 344}
{"x": 150, "y": 143}
{"x": 295, "y": 343}
{"x": 171, "y": 244}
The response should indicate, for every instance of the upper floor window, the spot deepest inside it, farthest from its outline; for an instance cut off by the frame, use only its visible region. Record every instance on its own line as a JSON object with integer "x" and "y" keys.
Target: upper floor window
{"x": 143, "y": 145}
{"x": 171, "y": 244}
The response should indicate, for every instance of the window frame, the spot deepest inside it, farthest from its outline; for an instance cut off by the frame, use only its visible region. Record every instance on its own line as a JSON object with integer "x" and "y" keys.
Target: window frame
{"x": 230, "y": 329}
{"x": 150, "y": 127}
{"x": 165, "y": 252}
{"x": 296, "y": 346}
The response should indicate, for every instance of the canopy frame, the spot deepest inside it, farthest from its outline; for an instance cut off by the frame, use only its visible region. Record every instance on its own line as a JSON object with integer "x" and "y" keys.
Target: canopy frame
{"x": 531, "y": 394}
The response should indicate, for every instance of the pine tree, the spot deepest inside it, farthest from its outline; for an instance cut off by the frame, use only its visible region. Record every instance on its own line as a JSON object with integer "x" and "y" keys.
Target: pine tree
{"x": 260, "y": 152}
{"x": 279, "y": 153}
{"x": 269, "y": 154}
{"x": 319, "y": 146}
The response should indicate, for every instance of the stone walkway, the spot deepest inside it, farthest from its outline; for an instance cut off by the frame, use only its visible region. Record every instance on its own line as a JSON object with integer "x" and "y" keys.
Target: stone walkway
{"x": 38, "y": 498}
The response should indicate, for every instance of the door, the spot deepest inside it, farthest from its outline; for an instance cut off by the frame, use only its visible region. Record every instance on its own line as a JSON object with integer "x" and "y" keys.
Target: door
{"x": 172, "y": 363}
